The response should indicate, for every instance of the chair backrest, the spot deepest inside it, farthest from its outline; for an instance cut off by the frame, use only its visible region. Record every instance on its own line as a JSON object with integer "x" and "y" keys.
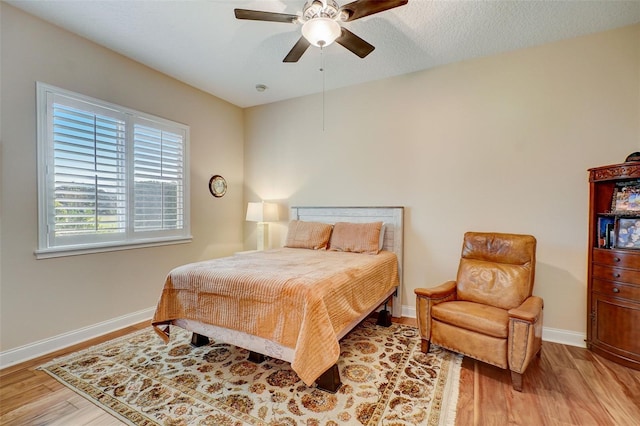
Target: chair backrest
{"x": 496, "y": 269}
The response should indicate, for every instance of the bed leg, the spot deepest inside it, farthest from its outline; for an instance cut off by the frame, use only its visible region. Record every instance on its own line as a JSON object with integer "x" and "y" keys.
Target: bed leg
{"x": 255, "y": 357}
{"x": 329, "y": 381}
{"x": 198, "y": 340}
{"x": 384, "y": 317}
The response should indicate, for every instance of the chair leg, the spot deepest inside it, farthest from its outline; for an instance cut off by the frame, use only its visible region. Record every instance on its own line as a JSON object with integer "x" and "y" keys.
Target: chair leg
{"x": 516, "y": 380}
{"x": 424, "y": 345}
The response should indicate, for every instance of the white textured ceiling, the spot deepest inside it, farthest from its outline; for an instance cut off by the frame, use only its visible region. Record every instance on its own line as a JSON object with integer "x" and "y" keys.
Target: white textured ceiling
{"x": 201, "y": 43}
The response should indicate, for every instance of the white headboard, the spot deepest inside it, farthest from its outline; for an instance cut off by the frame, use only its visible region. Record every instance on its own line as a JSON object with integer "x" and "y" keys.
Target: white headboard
{"x": 392, "y": 217}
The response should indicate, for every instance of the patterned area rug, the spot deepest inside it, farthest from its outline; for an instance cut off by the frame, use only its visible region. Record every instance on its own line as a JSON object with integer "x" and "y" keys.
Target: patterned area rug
{"x": 386, "y": 380}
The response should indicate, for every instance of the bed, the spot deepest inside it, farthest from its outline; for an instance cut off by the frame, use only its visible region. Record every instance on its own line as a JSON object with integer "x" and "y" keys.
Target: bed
{"x": 293, "y": 303}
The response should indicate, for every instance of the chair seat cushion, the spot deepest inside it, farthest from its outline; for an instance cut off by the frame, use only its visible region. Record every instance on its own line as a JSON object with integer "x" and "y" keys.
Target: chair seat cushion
{"x": 473, "y": 316}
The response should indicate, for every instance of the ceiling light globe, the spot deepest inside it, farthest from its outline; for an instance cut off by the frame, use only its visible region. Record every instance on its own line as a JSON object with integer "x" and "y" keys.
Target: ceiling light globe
{"x": 321, "y": 32}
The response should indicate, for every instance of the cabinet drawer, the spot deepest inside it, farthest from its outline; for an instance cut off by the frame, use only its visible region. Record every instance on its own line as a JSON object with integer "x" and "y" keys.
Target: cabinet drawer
{"x": 612, "y": 289}
{"x": 616, "y": 274}
{"x": 618, "y": 258}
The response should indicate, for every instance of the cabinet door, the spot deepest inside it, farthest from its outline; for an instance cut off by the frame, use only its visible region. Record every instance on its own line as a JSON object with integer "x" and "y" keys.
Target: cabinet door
{"x": 615, "y": 326}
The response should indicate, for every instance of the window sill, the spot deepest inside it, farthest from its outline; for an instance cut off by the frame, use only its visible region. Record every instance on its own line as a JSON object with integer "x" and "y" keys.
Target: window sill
{"x": 79, "y": 250}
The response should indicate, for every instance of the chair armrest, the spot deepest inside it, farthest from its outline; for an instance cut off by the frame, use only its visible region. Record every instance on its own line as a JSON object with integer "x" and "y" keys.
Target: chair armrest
{"x": 525, "y": 333}
{"x": 529, "y": 311}
{"x": 439, "y": 292}
{"x": 426, "y": 298}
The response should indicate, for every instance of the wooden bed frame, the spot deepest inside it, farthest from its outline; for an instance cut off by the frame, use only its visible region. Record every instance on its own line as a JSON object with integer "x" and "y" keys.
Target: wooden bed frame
{"x": 393, "y": 218}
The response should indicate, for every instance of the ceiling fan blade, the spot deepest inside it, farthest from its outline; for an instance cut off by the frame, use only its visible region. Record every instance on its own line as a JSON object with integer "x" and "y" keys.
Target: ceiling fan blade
{"x": 256, "y": 15}
{"x": 361, "y": 8}
{"x": 297, "y": 51}
{"x": 354, "y": 43}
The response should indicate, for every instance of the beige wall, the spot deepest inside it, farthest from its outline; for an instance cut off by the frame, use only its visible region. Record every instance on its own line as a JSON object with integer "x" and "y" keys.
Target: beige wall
{"x": 494, "y": 144}
{"x": 43, "y": 298}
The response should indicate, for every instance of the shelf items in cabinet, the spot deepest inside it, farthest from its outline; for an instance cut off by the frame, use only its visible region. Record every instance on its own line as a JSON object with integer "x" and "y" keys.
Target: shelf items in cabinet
{"x": 606, "y": 231}
{"x": 618, "y": 231}
{"x": 618, "y": 224}
{"x": 626, "y": 197}
{"x": 627, "y": 231}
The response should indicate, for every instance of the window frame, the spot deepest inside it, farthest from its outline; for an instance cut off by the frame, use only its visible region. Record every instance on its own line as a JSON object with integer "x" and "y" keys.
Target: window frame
{"x": 47, "y": 246}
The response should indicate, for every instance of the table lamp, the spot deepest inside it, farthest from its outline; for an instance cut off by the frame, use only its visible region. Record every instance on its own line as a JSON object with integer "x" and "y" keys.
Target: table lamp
{"x": 262, "y": 213}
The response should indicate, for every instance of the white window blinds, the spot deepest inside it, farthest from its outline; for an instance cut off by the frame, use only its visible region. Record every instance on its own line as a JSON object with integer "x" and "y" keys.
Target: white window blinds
{"x": 109, "y": 177}
{"x": 89, "y": 193}
{"x": 158, "y": 175}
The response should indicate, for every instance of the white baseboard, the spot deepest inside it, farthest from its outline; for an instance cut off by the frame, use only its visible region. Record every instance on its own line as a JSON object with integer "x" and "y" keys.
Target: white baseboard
{"x": 566, "y": 337}
{"x": 45, "y": 346}
{"x": 555, "y": 335}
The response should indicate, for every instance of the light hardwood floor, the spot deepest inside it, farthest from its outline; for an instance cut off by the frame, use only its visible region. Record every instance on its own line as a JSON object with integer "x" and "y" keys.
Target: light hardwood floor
{"x": 566, "y": 386}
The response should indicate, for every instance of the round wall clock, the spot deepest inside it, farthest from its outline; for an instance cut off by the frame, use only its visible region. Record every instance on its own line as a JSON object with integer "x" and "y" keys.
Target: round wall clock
{"x": 217, "y": 186}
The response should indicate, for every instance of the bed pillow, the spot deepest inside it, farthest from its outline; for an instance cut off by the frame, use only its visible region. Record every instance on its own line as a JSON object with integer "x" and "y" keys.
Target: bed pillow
{"x": 309, "y": 235}
{"x": 356, "y": 237}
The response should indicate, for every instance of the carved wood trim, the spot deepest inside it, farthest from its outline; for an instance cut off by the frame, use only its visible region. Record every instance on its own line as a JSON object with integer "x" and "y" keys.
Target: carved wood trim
{"x": 615, "y": 171}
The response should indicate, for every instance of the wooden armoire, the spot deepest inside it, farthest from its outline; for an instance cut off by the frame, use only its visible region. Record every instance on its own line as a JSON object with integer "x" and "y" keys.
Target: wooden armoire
{"x": 613, "y": 324}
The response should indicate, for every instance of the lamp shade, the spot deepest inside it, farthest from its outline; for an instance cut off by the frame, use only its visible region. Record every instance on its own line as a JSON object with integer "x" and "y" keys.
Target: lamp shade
{"x": 262, "y": 212}
{"x": 321, "y": 32}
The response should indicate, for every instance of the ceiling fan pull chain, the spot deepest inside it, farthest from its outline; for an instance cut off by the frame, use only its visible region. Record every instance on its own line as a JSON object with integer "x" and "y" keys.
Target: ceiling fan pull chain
{"x": 323, "y": 82}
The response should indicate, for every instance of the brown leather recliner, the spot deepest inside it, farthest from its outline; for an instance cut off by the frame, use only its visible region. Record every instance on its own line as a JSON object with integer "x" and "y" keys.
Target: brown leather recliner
{"x": 488, "y": 313}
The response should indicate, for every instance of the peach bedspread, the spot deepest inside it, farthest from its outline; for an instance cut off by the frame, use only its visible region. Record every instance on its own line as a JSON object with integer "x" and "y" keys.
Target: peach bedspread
{"x": 299, "y": 298}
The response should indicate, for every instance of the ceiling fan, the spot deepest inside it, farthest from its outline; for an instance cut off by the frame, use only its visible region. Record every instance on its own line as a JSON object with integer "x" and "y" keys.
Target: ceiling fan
{"x": 321, "y": 23}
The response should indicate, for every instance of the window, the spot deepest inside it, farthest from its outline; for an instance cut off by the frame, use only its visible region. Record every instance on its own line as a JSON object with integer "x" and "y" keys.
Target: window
{"x": 109, "y": 177}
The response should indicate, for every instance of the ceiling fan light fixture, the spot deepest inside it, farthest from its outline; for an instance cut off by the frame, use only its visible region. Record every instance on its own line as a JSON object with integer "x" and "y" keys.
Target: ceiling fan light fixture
{"x": 321, "y": 23}
{"x": 321, "y": 32}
